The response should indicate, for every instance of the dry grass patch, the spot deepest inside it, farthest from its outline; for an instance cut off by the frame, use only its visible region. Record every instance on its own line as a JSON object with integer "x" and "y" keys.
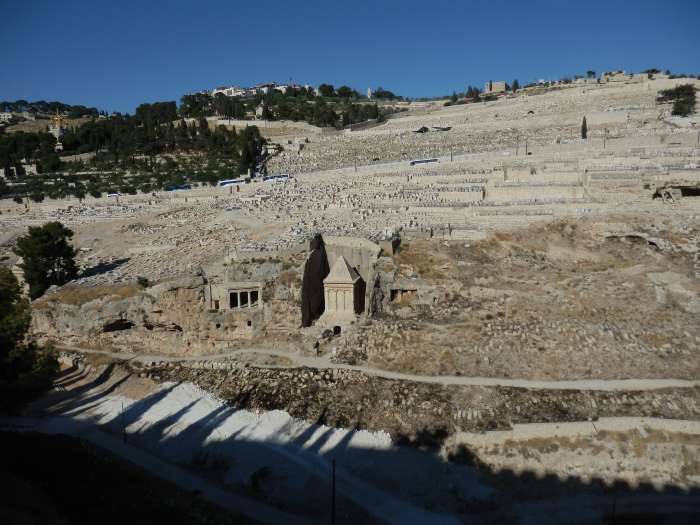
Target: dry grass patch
{"x": 426, "y": 258}
{"x": 415, "y": 352}
{"x": 650, "y": 436}
{"x": 77, "y": 295}
{"x": 608, "y": 263}
{"x": 287, "y": 278}
{"x": 267, "y": 360}
{"x": 503, "y": 236}
{"x": 556, "y": 444}
{"x": 98, "y": 360}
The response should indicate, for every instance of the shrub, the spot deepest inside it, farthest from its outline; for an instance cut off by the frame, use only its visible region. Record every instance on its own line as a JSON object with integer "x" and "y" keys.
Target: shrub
{"x": 683, "y": 98}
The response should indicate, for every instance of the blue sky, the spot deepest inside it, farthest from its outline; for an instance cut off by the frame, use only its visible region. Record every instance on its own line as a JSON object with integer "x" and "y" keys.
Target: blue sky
{"x": 117, "y": 54}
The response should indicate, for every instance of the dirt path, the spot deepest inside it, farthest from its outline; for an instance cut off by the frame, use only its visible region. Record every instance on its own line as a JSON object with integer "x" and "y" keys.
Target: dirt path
{"x": 324, "y": 363}
{"x": 523, "y": 432}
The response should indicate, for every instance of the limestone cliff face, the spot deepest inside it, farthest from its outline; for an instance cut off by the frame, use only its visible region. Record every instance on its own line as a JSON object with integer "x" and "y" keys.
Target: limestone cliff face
{"x": 109, "y": 313}
{"x": 168, "y": 317}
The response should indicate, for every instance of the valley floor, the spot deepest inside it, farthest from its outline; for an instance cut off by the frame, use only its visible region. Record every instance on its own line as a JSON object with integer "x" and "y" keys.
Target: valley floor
{"x": 267, "y": 463}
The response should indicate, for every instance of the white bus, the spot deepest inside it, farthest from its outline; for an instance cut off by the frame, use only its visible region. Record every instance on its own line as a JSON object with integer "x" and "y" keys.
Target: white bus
{"x": 276, "y": 178}
{"x": 230, "y": 182}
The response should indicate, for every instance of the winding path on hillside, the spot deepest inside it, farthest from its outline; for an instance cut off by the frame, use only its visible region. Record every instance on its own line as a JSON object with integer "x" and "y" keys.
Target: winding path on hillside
{"x": 324, "y": 363}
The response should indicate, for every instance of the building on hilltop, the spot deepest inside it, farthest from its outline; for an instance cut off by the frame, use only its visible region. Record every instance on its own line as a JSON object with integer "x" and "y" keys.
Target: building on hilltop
{"x": 258, "y": 89}
{"x": 614, "y": 76}
{"x": 264, "y": 89}
{"x": 493, "y": 88}
{"x": 230, "y": 91}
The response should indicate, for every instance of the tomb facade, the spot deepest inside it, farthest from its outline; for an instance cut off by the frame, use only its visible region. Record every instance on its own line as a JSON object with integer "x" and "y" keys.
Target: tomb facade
{"x": 343, "y": 297}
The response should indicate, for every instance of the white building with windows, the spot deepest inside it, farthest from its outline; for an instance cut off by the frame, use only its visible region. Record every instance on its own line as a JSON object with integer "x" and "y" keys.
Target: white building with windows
{"x": 231, "y": 91}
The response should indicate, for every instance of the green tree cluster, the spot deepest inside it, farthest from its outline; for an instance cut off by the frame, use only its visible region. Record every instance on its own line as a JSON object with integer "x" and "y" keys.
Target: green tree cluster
{"x": 157, "y": 113}
{"x": 384, "y": 94}
{"x": 347, "y": 92}
{"x": 15, "y": 147}
{"x": 683, "y": 98}
{"x": 196, "y": 105}
{"x": 123, "y": 137}
{"x": 126, "y": 143}
{"x": 473, "y": 93}
{"x": 229, "y": 107}
{"x": 354, "y": 113}
{"x": 326, "y": 90}
{"x": 48, "y": 108}
{"x": 26, "y": 369}
{"x": 329, "y": 108}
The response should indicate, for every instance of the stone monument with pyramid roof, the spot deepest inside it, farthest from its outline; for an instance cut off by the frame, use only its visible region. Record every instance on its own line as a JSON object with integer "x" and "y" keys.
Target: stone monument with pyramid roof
{"x": 341, "y": 289}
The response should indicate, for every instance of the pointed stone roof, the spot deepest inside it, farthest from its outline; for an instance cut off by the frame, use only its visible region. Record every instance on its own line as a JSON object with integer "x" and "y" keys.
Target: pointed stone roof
{"x": 342, "y": 273}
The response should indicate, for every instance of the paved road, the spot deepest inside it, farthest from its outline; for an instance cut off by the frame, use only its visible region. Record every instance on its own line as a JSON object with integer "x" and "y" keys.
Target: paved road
{"x": 323, "y": 363}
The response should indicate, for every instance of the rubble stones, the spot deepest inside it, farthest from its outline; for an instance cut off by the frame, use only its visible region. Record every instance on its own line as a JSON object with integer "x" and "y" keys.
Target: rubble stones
{"x": 352, "y": 399}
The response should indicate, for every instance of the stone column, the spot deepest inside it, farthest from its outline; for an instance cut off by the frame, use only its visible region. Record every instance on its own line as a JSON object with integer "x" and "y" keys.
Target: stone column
{"x": 237, "y": 302}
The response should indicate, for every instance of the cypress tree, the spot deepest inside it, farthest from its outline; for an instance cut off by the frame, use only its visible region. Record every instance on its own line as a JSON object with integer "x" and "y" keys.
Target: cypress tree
{"x": 584, "y": 129}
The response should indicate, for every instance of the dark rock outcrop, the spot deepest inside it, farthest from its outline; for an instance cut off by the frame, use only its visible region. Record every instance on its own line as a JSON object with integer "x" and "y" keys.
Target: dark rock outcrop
{"x": 316, "y": 269}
